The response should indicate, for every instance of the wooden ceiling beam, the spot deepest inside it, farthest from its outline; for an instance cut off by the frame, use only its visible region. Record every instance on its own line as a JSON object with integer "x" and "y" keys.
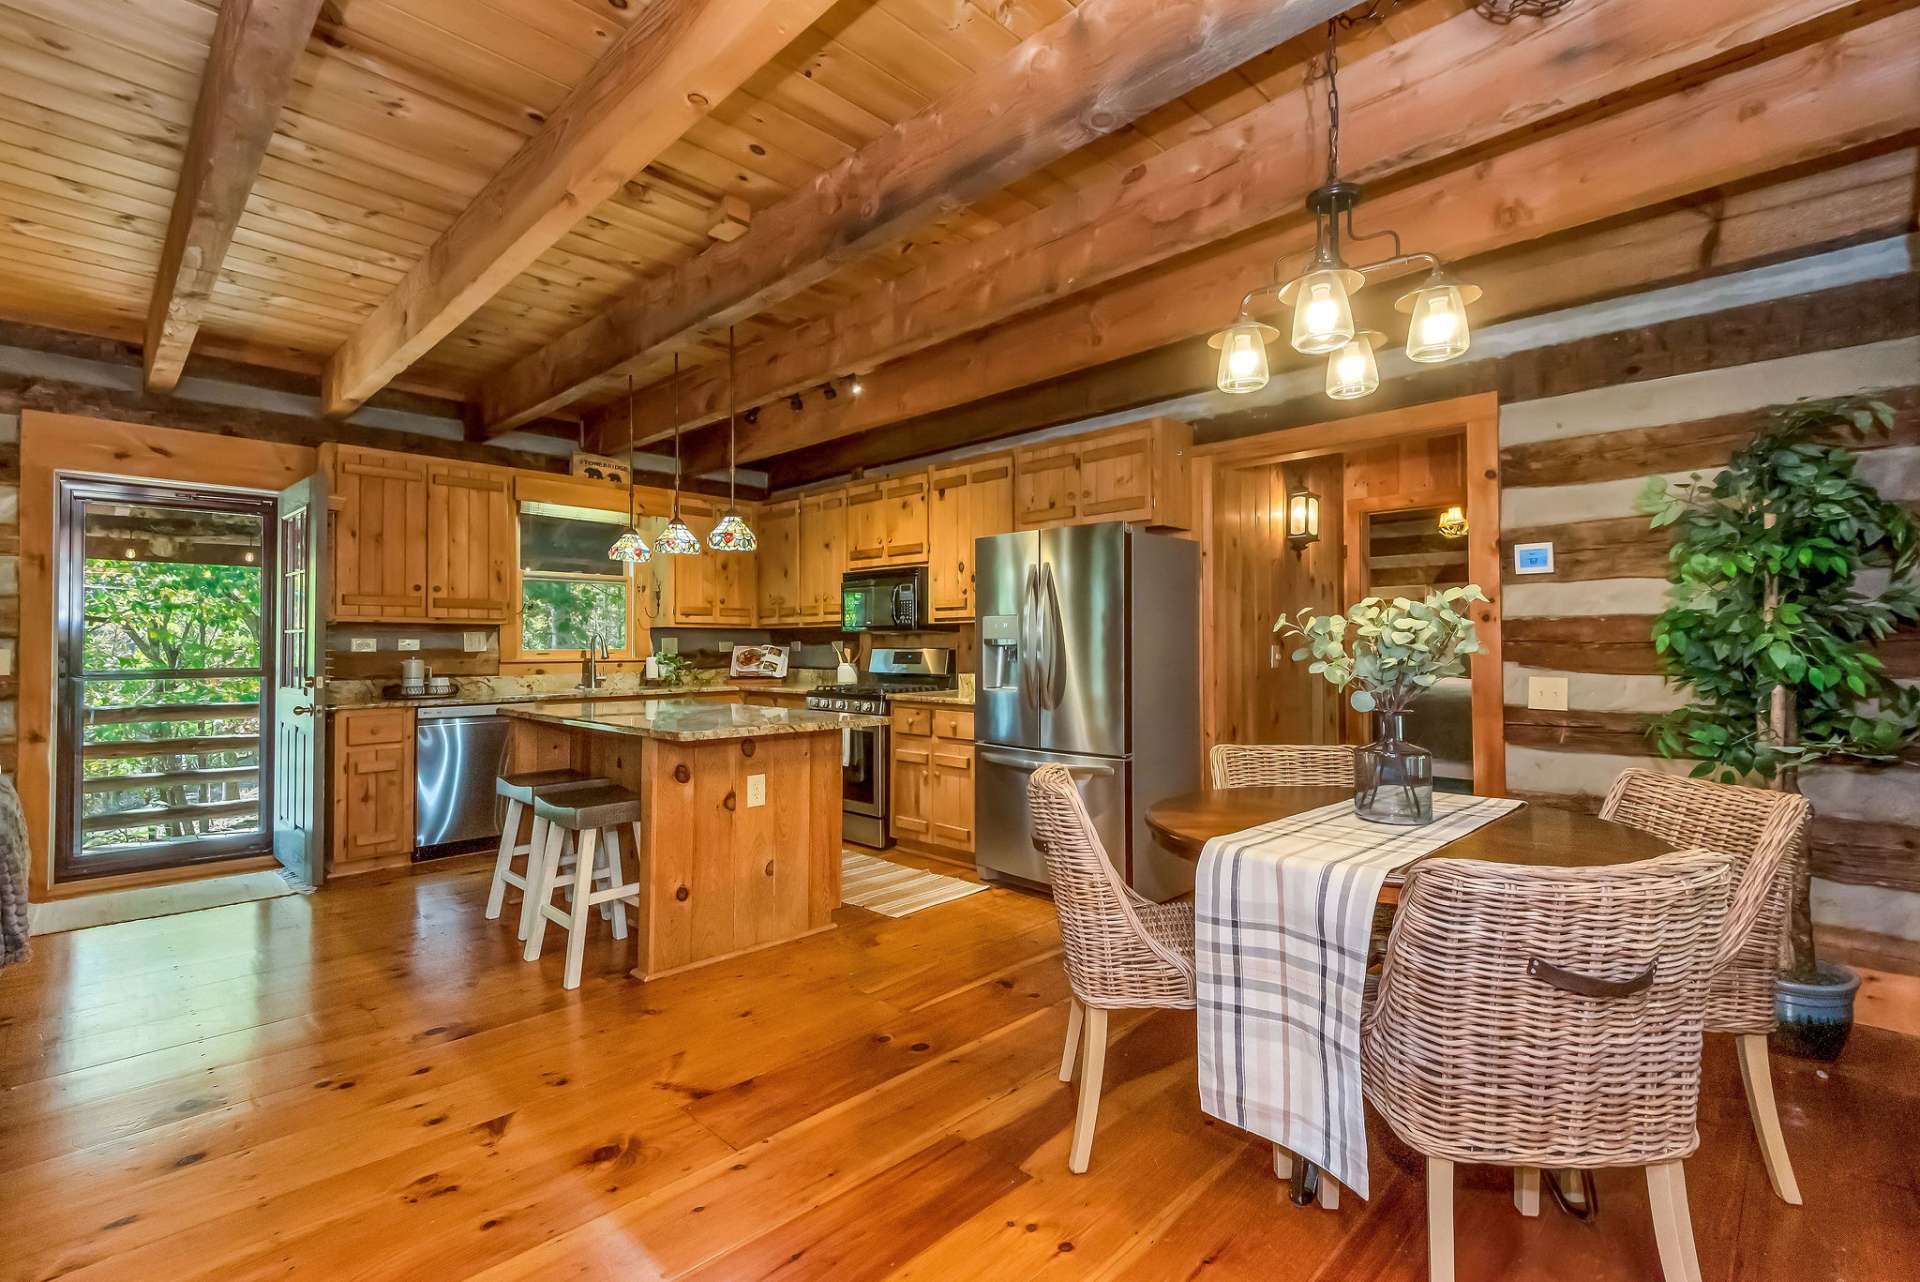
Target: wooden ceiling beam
{"x": 249, "y": 72}
{"x": 1456, "y": 85}
{"x": 1863, "y": 199}
{"x": 1089, "y": 73}
{"x": 675, "y": 61}
{"x": 1818, "y": 99}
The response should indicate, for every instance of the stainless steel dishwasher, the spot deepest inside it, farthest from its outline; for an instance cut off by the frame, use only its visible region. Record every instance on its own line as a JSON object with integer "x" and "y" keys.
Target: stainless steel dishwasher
{"x": 457, "y": 755}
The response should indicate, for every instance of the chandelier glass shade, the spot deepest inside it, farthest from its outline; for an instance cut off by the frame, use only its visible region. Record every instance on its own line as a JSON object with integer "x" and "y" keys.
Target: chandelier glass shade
{"x": 1352, "y": 372}
{"x": 1243, "y": 354}
{"x": 676, "y": 538}
{"x": 1437, "y": 328}
{"x": 1322, "y": 309}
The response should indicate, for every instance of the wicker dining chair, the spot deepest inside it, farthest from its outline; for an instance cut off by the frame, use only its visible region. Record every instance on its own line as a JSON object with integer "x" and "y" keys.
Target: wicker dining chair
{"x": 1119, "y": 949}
{"x": 1754, "y": 826}
{"x": 1552, "y": 1018}
{"x": 1281, "y": 765}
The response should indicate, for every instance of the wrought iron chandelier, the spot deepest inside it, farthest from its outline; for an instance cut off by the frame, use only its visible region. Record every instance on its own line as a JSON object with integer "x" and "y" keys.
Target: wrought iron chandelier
{"x": 1321, "y": 295}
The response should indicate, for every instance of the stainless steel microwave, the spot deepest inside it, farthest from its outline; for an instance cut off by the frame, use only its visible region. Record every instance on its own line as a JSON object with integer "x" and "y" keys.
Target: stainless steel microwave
{"x": 893, "y": 600}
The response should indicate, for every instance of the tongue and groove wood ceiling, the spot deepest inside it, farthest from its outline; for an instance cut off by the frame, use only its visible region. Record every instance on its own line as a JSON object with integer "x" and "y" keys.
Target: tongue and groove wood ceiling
{"x": 401, "y": 111}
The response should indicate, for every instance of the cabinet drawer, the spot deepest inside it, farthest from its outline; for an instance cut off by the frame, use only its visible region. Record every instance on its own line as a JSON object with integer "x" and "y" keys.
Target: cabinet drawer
{"x": 376, "y": 725}
{"x": 913, "y": 721}
{"x": 953, "y": 723}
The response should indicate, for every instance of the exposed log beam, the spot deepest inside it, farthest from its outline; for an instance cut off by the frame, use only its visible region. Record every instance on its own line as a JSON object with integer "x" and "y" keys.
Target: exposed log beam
{"x": 1459, "y": 84}
{"x": 256, "y": 44}
{"x": 677, "y": 59}
{"x": 1087, "y": 74}
{"x": 1847, "y": 90}
{"x": 1730, "y": 230}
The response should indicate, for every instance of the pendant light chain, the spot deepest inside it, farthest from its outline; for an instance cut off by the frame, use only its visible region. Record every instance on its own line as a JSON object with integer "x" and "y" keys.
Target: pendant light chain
{"x": 1333, "y": 102}
{"x": 730, "y": 418}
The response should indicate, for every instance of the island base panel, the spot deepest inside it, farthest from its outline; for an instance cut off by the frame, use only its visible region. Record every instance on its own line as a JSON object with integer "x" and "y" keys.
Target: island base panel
{"x": 717, "y": 877}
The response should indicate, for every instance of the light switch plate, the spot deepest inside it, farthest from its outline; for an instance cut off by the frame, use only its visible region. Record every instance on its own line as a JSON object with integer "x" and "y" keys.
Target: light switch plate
{"x": 6, "y": 659}
{"x": 1547, "y": 694}
{"x": 409, "y": 643}
{"x": 756, "y": 791}
{"x": 1533, "y": 558}
{"x": 476, "y": 641}
{"x": 1273, "y": 656}
{"x": 365, "y": 645}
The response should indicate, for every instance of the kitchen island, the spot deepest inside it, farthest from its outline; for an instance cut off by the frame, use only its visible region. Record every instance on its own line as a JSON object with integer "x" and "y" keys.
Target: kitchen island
{"x": 740, "y": 824}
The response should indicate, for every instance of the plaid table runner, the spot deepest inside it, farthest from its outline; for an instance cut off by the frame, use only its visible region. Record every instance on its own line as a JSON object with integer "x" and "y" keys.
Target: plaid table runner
{"x": 1282, "y": 916}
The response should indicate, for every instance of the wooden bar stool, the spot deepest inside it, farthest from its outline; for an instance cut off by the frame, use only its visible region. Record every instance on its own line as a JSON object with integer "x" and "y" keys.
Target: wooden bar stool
{"x": 593, "y": 817}
{"x": 520, "y": 790}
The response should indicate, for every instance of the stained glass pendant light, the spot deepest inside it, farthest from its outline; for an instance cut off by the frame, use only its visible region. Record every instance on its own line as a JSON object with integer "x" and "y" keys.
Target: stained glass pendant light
{"x": 677, "y": 539}
{"x": 631, "y": 546}
{"x": 731, "y": 533}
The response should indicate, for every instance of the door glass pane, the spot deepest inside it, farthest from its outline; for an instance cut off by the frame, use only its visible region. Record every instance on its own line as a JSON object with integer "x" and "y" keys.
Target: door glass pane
{"x": 162, "y": 735}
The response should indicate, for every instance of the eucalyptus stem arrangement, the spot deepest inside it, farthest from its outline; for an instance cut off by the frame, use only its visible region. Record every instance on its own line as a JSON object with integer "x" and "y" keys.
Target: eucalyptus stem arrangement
{"x": 1769, "y": 628}
{"x": 1386, "y": 654}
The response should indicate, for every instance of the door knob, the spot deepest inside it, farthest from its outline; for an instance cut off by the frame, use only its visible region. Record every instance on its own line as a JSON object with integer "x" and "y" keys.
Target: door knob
{"x": 302, "y": 710}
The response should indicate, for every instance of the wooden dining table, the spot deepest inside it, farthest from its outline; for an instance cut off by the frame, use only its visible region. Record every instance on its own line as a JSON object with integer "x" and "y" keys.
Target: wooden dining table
{"x": 1534, "y": 835}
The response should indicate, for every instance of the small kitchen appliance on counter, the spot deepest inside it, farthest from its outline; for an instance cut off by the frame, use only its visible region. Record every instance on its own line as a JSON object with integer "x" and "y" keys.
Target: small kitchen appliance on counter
{"x": 864, "y": 753}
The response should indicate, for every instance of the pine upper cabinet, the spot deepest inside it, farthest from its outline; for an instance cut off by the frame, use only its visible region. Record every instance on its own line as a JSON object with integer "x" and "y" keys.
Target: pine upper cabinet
{"x": 781, "y": 592}
{"x": 866, "y": 525}
{"x": 1140, "y": 472}
{"x": 470, "y": 542}
{"x": 379, "y": 534}
{"x": 823, "y": 555}
{"x": 966, "y": 501}
{"x": 887, "y": 521}
{"x": 735, "y": 577}
{"x": 696, "y": 580}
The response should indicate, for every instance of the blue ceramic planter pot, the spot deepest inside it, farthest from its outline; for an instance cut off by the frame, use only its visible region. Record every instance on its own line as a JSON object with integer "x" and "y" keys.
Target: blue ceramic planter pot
{"x": 1817, "y": 1017}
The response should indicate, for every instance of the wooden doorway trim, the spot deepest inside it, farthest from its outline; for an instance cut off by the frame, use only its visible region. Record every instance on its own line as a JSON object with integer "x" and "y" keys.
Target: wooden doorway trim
{"x": 1477, "y": 418}
{"x": 53, "y": 445}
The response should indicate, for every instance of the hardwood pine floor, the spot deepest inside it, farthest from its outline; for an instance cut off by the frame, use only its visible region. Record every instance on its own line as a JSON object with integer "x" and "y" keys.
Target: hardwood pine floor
{"x": 368, "y": 1084}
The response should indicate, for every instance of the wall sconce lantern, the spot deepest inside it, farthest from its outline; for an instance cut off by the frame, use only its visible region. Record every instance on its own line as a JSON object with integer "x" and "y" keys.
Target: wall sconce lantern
{"x": 1303, "y": 519}
{"x": 1453, "y": 523}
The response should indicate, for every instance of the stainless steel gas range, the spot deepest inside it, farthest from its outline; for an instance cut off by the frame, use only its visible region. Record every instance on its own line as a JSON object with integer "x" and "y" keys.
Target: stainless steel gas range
{"x": 864, "y": 753}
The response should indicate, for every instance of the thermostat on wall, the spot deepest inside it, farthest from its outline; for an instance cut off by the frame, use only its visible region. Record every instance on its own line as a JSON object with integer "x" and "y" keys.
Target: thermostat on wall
{"x": 1533, "y": 558}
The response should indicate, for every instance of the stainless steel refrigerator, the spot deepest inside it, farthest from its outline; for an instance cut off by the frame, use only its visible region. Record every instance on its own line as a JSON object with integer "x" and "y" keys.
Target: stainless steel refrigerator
{"x": 1088, "y": 657}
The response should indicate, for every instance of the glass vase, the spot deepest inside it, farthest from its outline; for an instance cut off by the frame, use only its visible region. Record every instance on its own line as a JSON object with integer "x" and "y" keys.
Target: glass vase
{"x": 1393, "y": 779}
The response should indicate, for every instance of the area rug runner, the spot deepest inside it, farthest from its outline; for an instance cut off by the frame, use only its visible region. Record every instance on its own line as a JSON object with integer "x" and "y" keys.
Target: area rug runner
{"x": 894, "y": 890}
{"x": 114, "y": 906}
{"x": 1282, "y": 916}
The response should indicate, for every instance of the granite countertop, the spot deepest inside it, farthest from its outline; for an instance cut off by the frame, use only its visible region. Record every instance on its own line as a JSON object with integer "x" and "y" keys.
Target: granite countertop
{"x": 945, "y": 698}
{"x": 689, "y": 720}
{"x": 478, "y": 700}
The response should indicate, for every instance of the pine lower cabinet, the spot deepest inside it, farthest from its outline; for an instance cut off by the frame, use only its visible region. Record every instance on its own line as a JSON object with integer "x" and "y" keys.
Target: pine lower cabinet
{"x": 965, "y": 501}
{"x": 373, "y": 790}
{"x": 932, "y": 779}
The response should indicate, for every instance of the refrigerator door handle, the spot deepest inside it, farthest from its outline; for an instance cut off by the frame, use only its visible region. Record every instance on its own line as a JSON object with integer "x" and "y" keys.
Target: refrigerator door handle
{"x": 1053, "y": 653}
{"x": 1026, "y": 763}
{"x": 1030, "y": 657}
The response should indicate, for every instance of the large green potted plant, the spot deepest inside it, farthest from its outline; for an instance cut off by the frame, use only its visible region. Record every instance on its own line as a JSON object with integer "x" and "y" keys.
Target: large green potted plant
{"x": 1386, "y": 654}
{"x": 1772, "y": 635}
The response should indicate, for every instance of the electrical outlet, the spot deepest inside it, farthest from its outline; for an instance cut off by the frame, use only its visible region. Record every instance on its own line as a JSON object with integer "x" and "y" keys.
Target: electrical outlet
{"x": 1547, "y": 694}
{"x": 756, "y": 791}
{"x": 364, "y": 645}
{"x": 476, "y": 642}
{"x": 409, "y": 643}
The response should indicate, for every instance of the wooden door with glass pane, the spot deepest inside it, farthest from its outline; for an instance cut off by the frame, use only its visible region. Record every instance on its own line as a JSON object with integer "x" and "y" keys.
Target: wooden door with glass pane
{"x": 166, "y": 654}
{"x": 299, "y": 758}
